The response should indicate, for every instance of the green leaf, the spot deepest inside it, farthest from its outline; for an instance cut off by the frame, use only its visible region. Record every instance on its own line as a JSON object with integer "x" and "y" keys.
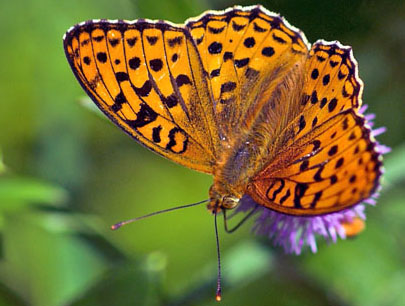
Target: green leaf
{"x": 139, "y": 283}
{"x": 46, "y": 267}
{"x": 16, "y": 193}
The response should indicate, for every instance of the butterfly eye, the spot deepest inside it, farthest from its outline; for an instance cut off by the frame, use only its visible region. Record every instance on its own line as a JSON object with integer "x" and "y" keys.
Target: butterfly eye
{"x": 230, "y": 202}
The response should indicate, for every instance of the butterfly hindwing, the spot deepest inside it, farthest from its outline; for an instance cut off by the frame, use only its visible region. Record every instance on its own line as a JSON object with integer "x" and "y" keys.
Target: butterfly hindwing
{"x": 332, "y": 168}
{"x": 332, "y": 84}
{"x": 147, "y": 78}
{"x": 330, "y": 160}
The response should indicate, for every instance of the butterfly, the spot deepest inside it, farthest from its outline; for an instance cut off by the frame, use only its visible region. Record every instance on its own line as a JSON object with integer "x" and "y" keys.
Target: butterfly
{"x": 239, "y": 94}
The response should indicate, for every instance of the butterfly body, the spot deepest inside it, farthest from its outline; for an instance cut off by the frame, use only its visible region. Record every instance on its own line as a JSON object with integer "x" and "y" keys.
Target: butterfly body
{"x": 241, "y": 95}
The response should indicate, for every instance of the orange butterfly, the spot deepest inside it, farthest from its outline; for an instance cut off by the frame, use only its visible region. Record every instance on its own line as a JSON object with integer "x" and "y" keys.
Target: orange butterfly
{"x": 241, "y": 95}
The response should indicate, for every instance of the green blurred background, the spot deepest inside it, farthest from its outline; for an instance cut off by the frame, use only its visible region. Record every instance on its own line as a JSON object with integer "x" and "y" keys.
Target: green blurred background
{"x": 67, "y": 175}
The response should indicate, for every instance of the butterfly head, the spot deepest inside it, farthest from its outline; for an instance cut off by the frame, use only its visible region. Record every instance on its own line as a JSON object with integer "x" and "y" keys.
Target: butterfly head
{"x": 221, "y": 200}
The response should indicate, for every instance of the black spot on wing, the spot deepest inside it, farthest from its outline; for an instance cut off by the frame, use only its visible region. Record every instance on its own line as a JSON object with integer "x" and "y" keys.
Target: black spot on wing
{"x": 339, "y": 163}
{"x": 144, "y": 116}
{"x": 268, "y": 51}
{"x": 237, "y": 27}
{"x": 325, "y": 80}
{"x": 317, "y": 176}
{"x": 333, "y": 150}
{"x": 299, "y": 192}
{"x": 285, "y": 197}
{"x": 257, "y": 28}
{"x": 156, "y": 64}
{"x": 314, "y": 97}
{"x": 175, "y": 57}
{"x": 156, "y": 134}
{"x": 341, "y": 75}
{"x": 172, "y": 140}
{"x": 120, "y": 98}
{"x": 304, "y": 165}
{"x": 333, "y": 63}
{"x": 227, "y": 87}
{"x": 84, "y": 42}
{"x": 214, "y": 73}
{"x": 315, "y": 74}
{"x": 316, "y": 198}
{"x": 278, "y": 39}
{"x": 98, "y": 38}
{"x": 113, "y": 42}
{"x": 152, "y": 39}
{"x": 116, "y": 107}
{"x": 134, "y": 63}
{"x": 199, "y": 40}
{"x": 215, "y": 48}
{"x": 182, "y": 79}
{"x": 227, "y": 56}
{"x": 353, "y": 178}
{"x": 131, "y": 41}
{"x": 320, "y": 58}
{"x": 170, "y": 101}
{"x": 102, "y": 57}
{"x": 121, "y": 76}
{"x": 345, "y": 124}
{"x": 277, "y": 191}
{"x": 302, "y": 123}
{"x": 175, "y": 41}
{"x": 305, "y": 99}
{"x": 249, "y": 42}
{"x": 314, "y": 121}
{"x": 323, "y": 102}
{"x": 215, "y": 30}
{"x": 332, "y": 105}
{"x": 241, "y": 62}
{"x": 317, "y": 144}
{"x": 144, "y": 90}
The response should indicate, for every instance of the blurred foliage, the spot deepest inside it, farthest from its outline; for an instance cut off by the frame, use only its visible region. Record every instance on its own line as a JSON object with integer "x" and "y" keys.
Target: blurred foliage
{"x": 66, "y": 175}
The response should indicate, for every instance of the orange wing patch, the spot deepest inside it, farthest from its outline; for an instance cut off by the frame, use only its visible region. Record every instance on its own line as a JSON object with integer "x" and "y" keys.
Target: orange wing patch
{"x": 148, "y": 79}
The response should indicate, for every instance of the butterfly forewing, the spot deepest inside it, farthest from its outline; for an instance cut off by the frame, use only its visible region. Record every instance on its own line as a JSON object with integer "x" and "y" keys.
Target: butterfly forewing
{"x": 330, "y": 161}
{"x": 148, "y": 79}
{"x": 241, "y": 49}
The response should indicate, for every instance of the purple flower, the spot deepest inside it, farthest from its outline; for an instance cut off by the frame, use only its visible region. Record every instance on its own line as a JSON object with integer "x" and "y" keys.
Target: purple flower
{"x": 294, "y": 233}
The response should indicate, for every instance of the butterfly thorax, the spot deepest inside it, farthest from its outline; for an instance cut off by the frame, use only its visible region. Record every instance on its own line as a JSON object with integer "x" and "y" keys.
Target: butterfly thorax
{"x": 256, "y": 139}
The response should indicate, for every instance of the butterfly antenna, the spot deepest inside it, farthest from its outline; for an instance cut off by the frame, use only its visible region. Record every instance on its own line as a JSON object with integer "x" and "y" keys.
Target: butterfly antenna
{"x": 122, "y": 223}
{"x": 218, "y": 295}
